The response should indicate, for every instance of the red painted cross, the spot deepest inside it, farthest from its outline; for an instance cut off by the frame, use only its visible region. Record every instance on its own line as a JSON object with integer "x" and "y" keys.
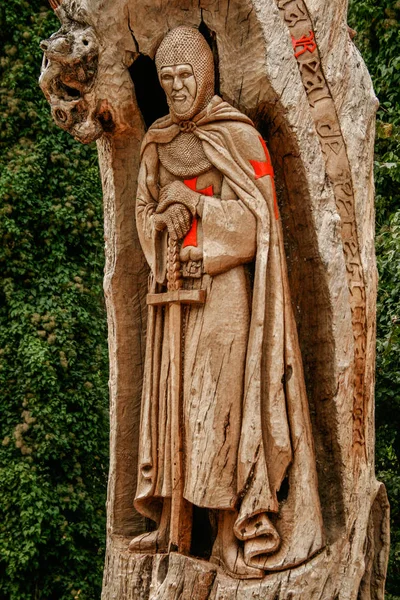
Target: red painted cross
{"x": 263, "y": 168}
{"x": 191, "y": 237}
{"x": 306, "y": 42}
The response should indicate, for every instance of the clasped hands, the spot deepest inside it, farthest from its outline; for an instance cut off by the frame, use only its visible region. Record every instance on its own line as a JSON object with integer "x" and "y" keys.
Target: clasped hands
{"x": 176, "y": 207}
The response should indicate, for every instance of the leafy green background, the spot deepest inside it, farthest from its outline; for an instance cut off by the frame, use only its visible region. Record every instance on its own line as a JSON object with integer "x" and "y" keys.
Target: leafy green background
{"x": 53, "y": 351}
{"x": 378, "y": 38}
{"x": 53, "y": 337}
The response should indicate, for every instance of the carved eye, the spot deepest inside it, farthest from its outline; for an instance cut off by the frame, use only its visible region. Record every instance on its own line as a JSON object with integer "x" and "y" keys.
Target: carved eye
{"x": 186, "y": 75}
{"x": 61, "y": 115}
{"x": 167, "y": 77}
{"x": 85, "y": 42}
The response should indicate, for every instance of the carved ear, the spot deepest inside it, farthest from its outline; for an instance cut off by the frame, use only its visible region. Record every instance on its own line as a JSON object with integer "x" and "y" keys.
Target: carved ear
{"x": 55, "y": 3}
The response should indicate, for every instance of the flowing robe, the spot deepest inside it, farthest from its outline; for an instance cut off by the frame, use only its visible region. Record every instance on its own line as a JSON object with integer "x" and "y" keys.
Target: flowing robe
{"x": 246, "y": 418}
{"x": 215, "y": 339}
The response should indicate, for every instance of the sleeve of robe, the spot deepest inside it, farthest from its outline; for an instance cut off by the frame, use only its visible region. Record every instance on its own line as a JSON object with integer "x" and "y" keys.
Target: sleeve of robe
{"x": 229, "y": 234}
{"x": 151, "y": 240}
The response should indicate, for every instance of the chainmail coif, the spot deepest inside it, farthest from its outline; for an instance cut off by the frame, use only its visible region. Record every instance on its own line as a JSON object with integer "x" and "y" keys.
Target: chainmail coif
{"x": 186, "y": 45}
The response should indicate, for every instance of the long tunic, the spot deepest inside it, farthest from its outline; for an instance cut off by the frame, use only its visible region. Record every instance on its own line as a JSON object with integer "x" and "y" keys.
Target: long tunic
{"x": 215, "y": 341}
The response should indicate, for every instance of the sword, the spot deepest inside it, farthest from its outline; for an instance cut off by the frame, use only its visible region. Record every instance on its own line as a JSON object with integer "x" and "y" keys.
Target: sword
{"x": 173, "y": 299}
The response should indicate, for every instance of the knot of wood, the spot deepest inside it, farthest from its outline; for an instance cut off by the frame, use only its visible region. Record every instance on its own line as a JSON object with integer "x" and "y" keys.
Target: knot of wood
{"x": 174, "y": 272}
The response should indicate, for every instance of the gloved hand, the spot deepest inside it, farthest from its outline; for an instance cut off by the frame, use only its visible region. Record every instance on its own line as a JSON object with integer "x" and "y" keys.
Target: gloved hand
{"x": 175, "y": 192}
{"x": 176, "y": 218}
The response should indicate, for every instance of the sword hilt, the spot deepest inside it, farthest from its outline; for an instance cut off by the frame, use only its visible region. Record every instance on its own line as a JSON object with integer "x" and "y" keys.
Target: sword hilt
{"x": 174, "y": 270}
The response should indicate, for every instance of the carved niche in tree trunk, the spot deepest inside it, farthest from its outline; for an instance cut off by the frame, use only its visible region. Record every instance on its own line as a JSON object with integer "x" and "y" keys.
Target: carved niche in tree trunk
{"x": 241, "y": 377}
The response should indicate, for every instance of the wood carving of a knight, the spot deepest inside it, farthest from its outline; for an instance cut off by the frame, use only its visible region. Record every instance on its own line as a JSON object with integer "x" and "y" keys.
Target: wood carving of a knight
{"x": 225, "y": 426}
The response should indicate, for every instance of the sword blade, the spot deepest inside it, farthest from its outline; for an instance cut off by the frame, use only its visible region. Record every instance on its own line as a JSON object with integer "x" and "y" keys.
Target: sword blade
{"x": 181, "y": 509}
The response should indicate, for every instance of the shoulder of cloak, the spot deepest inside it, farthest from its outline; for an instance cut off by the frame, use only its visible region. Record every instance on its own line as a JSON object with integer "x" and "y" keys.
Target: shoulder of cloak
{"x": 160, "y": 123}
{"x": 239, "y": 152}
{"x": 162, "y": 128}
{"x": 238, "y": 134}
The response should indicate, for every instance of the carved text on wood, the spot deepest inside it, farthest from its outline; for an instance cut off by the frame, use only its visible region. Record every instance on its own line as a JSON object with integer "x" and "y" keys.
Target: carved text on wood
{"x": 327, "y": 124}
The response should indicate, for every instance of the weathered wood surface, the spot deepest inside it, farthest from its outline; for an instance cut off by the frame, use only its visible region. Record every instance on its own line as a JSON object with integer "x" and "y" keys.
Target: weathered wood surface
{"x": 176, "y": 577}
{"x": 318, "y": 119}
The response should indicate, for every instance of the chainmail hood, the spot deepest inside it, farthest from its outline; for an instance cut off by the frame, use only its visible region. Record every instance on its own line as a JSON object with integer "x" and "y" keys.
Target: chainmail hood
{"x": 186, "y": 45}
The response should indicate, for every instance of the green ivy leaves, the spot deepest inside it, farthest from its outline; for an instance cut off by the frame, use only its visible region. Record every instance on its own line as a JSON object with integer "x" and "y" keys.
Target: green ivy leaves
{"x": 53, "y": 338}
{"x": 378, "y": 26}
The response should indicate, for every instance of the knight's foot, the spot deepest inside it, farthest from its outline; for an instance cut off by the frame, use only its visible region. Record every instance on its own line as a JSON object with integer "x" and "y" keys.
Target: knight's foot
{"x": 230, "y": 559}
{"x": 154, "y": 542}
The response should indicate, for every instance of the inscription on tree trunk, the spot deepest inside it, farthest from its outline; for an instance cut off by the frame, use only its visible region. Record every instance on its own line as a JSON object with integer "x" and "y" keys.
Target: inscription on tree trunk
{"x": 324, "y": 114}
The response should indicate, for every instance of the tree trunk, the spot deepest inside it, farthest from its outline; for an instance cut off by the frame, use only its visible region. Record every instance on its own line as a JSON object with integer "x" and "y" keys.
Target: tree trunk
{"x": 291, "y": 66}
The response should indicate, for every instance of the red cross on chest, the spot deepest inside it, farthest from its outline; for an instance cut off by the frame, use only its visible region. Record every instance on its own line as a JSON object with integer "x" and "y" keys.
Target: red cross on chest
{"x": 191, "y": 237}
{"x": 263, "y": 168}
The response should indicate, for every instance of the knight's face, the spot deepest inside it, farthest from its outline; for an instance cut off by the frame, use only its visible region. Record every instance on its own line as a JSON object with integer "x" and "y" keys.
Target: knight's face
{"x": 179, "y": 84}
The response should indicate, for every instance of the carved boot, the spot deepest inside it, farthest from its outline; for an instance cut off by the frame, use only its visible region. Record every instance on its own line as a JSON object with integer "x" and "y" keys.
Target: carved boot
{"x": 227, "y": 551}
{"x": 154, "y": 542}
{"x": 260, "y": 538}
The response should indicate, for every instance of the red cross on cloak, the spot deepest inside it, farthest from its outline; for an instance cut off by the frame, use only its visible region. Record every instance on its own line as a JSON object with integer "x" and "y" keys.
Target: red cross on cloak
{"x": 191, "y": 237}
{"x": 263, "y": 168}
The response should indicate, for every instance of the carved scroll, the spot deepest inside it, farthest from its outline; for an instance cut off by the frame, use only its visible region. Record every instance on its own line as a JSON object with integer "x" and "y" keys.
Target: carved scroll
{"x": 327, "y": 124}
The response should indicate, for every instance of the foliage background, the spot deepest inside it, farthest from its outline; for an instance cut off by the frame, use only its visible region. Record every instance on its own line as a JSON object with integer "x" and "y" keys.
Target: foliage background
{"x": 53, "y": 338}
{"x": 378, "y": 25}
{"x": 53, "y": 353}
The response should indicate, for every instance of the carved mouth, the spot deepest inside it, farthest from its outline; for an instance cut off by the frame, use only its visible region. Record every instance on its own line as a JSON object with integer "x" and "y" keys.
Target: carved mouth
{"x": 67, "y": 92}
{"x": 72, "y": 92}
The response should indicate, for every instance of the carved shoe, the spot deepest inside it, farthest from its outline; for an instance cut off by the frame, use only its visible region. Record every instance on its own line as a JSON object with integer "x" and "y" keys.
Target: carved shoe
{"x": 153, "y": 542}
{"x": 231, "y": 560}
{"x": 227, "y": 551}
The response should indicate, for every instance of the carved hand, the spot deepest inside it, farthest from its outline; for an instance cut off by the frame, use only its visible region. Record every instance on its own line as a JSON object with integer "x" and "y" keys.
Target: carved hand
{"x": 176, "y": 218}
{"x": 178, "y": 192}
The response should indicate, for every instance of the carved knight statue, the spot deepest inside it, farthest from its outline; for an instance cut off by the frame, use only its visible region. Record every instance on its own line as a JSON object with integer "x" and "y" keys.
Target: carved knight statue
{"x": 209, "y": 225}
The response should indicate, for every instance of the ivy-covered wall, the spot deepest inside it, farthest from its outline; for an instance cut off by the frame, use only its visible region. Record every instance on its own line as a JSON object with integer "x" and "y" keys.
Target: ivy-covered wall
{"x": 53, "y": 338}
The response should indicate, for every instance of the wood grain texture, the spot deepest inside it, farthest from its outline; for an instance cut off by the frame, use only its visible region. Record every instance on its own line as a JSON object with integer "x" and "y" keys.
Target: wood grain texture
{"x": 259, "y": 74}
